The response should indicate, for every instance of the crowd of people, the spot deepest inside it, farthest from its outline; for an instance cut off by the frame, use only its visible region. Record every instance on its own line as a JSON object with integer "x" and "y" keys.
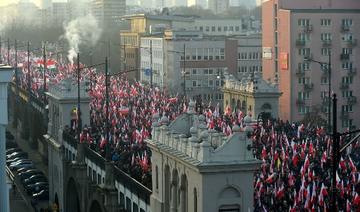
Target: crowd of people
{"x": 295, "y": 173}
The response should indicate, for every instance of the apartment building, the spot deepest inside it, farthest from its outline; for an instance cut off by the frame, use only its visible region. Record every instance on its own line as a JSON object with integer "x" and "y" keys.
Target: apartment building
{"x": 296, "y": 30}
{"x": 219, "y": 6}
{"x": 249, "y": 55}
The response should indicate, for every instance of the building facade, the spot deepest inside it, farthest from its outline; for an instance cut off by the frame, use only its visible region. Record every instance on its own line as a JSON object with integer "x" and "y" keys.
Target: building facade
{"x": 206, "y": 59}
{"x": 60, "y": 13}
{"x": 295, "y": 30}
{"x": 108, "y": 12}
{"x": 198, "y": 3}
{"x": 252, "y": 95}
{"x": 219, "y": 6}
{"x": 219, "y": 27}
{"x": 199, "y": 170}
{"x": 249, "y": 55}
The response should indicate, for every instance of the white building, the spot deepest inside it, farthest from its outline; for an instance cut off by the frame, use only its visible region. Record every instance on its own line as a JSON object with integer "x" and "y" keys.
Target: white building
{"x": 60, "y": 12}
{"x": 200, "y": 170}
{"x": 219, "y": 27}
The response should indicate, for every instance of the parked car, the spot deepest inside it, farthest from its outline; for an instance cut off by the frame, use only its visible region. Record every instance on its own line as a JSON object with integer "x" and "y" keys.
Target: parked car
{"x": 28, "y": 173}
{"x": 14, "y": 160}
{"x": 16, "y": 154}
{"x": 21, "y": 170}
{"x": 20, "y": 164}
{"x": 34, "y": 179}
{"x": 43, "y": 195}
{"x": 36, "y": 187}
{"x": 12, "y": 150}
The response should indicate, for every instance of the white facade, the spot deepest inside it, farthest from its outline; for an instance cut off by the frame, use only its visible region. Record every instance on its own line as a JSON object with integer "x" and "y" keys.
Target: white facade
{"x": 108, "y": 11}
{"x": 60, "y": 12}
{"x": 249, "y": 58}
{"x": 152, "y": 47}
{"x": 219, "y": 27}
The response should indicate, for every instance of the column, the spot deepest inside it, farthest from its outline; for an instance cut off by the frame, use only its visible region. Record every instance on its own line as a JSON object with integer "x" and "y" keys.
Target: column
{"x": 4, "y": 194}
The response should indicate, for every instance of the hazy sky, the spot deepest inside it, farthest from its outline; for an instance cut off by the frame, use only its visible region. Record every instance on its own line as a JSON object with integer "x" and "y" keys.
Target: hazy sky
{"x": 5, "y": 2}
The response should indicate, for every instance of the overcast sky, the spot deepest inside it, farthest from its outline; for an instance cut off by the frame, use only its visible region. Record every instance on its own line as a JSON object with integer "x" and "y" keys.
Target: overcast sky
{"x": 5, "y": 2}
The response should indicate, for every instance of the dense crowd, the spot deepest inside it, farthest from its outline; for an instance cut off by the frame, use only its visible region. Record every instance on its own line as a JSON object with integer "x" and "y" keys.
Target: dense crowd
{"x": 295, "y": 172}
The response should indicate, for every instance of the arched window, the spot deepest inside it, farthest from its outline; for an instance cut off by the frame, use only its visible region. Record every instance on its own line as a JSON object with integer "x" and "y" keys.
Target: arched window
{"x": 157, "y": 177}
{"x": 195, "y": 200}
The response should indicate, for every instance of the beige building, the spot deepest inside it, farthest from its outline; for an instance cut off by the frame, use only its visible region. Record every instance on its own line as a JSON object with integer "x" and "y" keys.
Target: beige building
{"x": 293, "y": 30}
{"x": 196, "y": 170}
{"x": 252, "y": 95}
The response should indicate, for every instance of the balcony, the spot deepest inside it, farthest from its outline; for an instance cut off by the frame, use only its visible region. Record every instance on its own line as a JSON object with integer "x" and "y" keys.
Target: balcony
{"x": 300, "y": 102}
{"x": 352, "y": 72}
{"x": 300, "y": 42}
{"x": 300, "y": 73}
{"x": 344, "y": 86}
{"x": 326, "y": 43}
{"x": 309, "y": 86}
{"x": 351, "y": 100}
{"x": 351, "y": 43}
{"x": 308, "y": 28}
{"x": 344, "y": 56}
{"x": 345, "y": 28}
{"x": 344, "y": 115}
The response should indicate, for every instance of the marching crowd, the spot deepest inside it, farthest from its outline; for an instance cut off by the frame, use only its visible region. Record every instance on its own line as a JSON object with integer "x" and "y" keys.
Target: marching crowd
{"x": 295, "y": 173}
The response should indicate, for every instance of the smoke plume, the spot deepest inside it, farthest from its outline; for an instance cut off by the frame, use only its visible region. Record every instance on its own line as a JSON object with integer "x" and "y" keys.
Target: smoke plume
{"x": 83, "y": 30}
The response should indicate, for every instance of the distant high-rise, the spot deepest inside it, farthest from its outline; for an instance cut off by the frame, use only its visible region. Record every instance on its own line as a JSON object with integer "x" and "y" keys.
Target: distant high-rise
{"x": 200, "y": 3}
{"x": 108, "y": 11}
{"x": 218, "y": 6}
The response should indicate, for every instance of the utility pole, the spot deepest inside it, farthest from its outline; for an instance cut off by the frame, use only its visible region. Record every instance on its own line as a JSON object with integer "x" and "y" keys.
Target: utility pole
{"x": 8, "y": 52}
{"x": 336, "y": 139}
{"x": 151, "y": 64}
{"x": 329, "y": 94}
{"x": 78, "y": 99}
{"x": 184, "y": 70}
{"x": 28, "y": 67}
{"x": 44, "y": 58}
{"x": 107, "y": 146}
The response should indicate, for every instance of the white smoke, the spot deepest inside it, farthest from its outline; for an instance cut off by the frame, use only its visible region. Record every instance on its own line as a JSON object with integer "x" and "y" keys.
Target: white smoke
{"x": 83, "y": 30}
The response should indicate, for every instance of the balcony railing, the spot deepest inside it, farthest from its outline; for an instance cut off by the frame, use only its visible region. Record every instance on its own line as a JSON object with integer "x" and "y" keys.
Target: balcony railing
{"x": 344, "y": 115}
{"x": 300, "y": 73}
{"x": 351, "y": 100}
{"x": 344, "y": 86}
{"x": 345, "y": 28}
{"x": 344, "y": 56}
{"x": 351, "y": 43}
{"x": 308, "y": 86}
{"x": 326, "y": 43}
{"x": 300, "y": 42}
{"x": 308, "y": 28}
{"x": 352, "y": 72}
{"x": 300, "y": 101}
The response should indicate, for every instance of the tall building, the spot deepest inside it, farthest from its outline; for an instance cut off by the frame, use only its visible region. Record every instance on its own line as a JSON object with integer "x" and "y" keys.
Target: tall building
{"x": 199, "y": 3}
{"x": 108, "y": 11}
{"x": 206, "y": 59}
{"x": 60, "y": 13}
{"x": 219, "y": 26}
{"x": 296, "y": 30}
{"x": 218, "y": 6}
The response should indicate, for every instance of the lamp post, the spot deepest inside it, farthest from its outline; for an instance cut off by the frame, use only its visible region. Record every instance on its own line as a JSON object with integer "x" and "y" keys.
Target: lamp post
{"x": 328, "y": 67}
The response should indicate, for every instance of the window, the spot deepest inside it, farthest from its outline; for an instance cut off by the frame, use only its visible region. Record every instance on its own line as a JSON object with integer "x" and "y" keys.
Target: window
{"x": 325, "y": 51}
{"x": 195, "y": 200}
{"x": 193, "y": 72}
{"x": 347, "y": 37}
{"x": 194, "y": 83}
{"x": 346, "y": 108}
{"x": 303, "y": 109}
{"x": 346, "y": 22}
{"x": 304, "y": 36}
{"x": 231, "y": 28}
{"x": 304, "y": 80}
{"x": 324, "y": 80}
{"x": 347, "y": 123}
{"x": 325, "y": 22}
{"x": 122, "y": 199}
{"x": 135, "y": 207}
{"x": 304, "y": 66}
{"x": 304, "y": 22}
{"x": 347, "y": 80}
{"x": 237, "y": 28}
{"x": 219, "y": 29}
{"x": 225, "y": 28}
{"x": 303, "y": 95}
{"x": 94, "y": 176}
{"x": 206, "y": 71}
{"x": 347, "y": 50}
{"x": 207, "y": 28}
{"x": 213, "y": 28}
{"x": 324, "y": 94}
{"x": 128, "y": 204}
{"x": 99, "y": 179}
{"x": 326, "y": 37}
{"x": 211, "y": 83}
{"x": 347, "y": 93}
{"x": 157, "y": 177}
{"x": 304, "y": 51}
{"x": 90, "y": 171}
{"x": 347, "y": 65}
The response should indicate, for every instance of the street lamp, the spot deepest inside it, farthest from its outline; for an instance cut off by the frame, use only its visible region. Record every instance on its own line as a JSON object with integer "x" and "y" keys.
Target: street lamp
{"x": 327, "y": 65}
